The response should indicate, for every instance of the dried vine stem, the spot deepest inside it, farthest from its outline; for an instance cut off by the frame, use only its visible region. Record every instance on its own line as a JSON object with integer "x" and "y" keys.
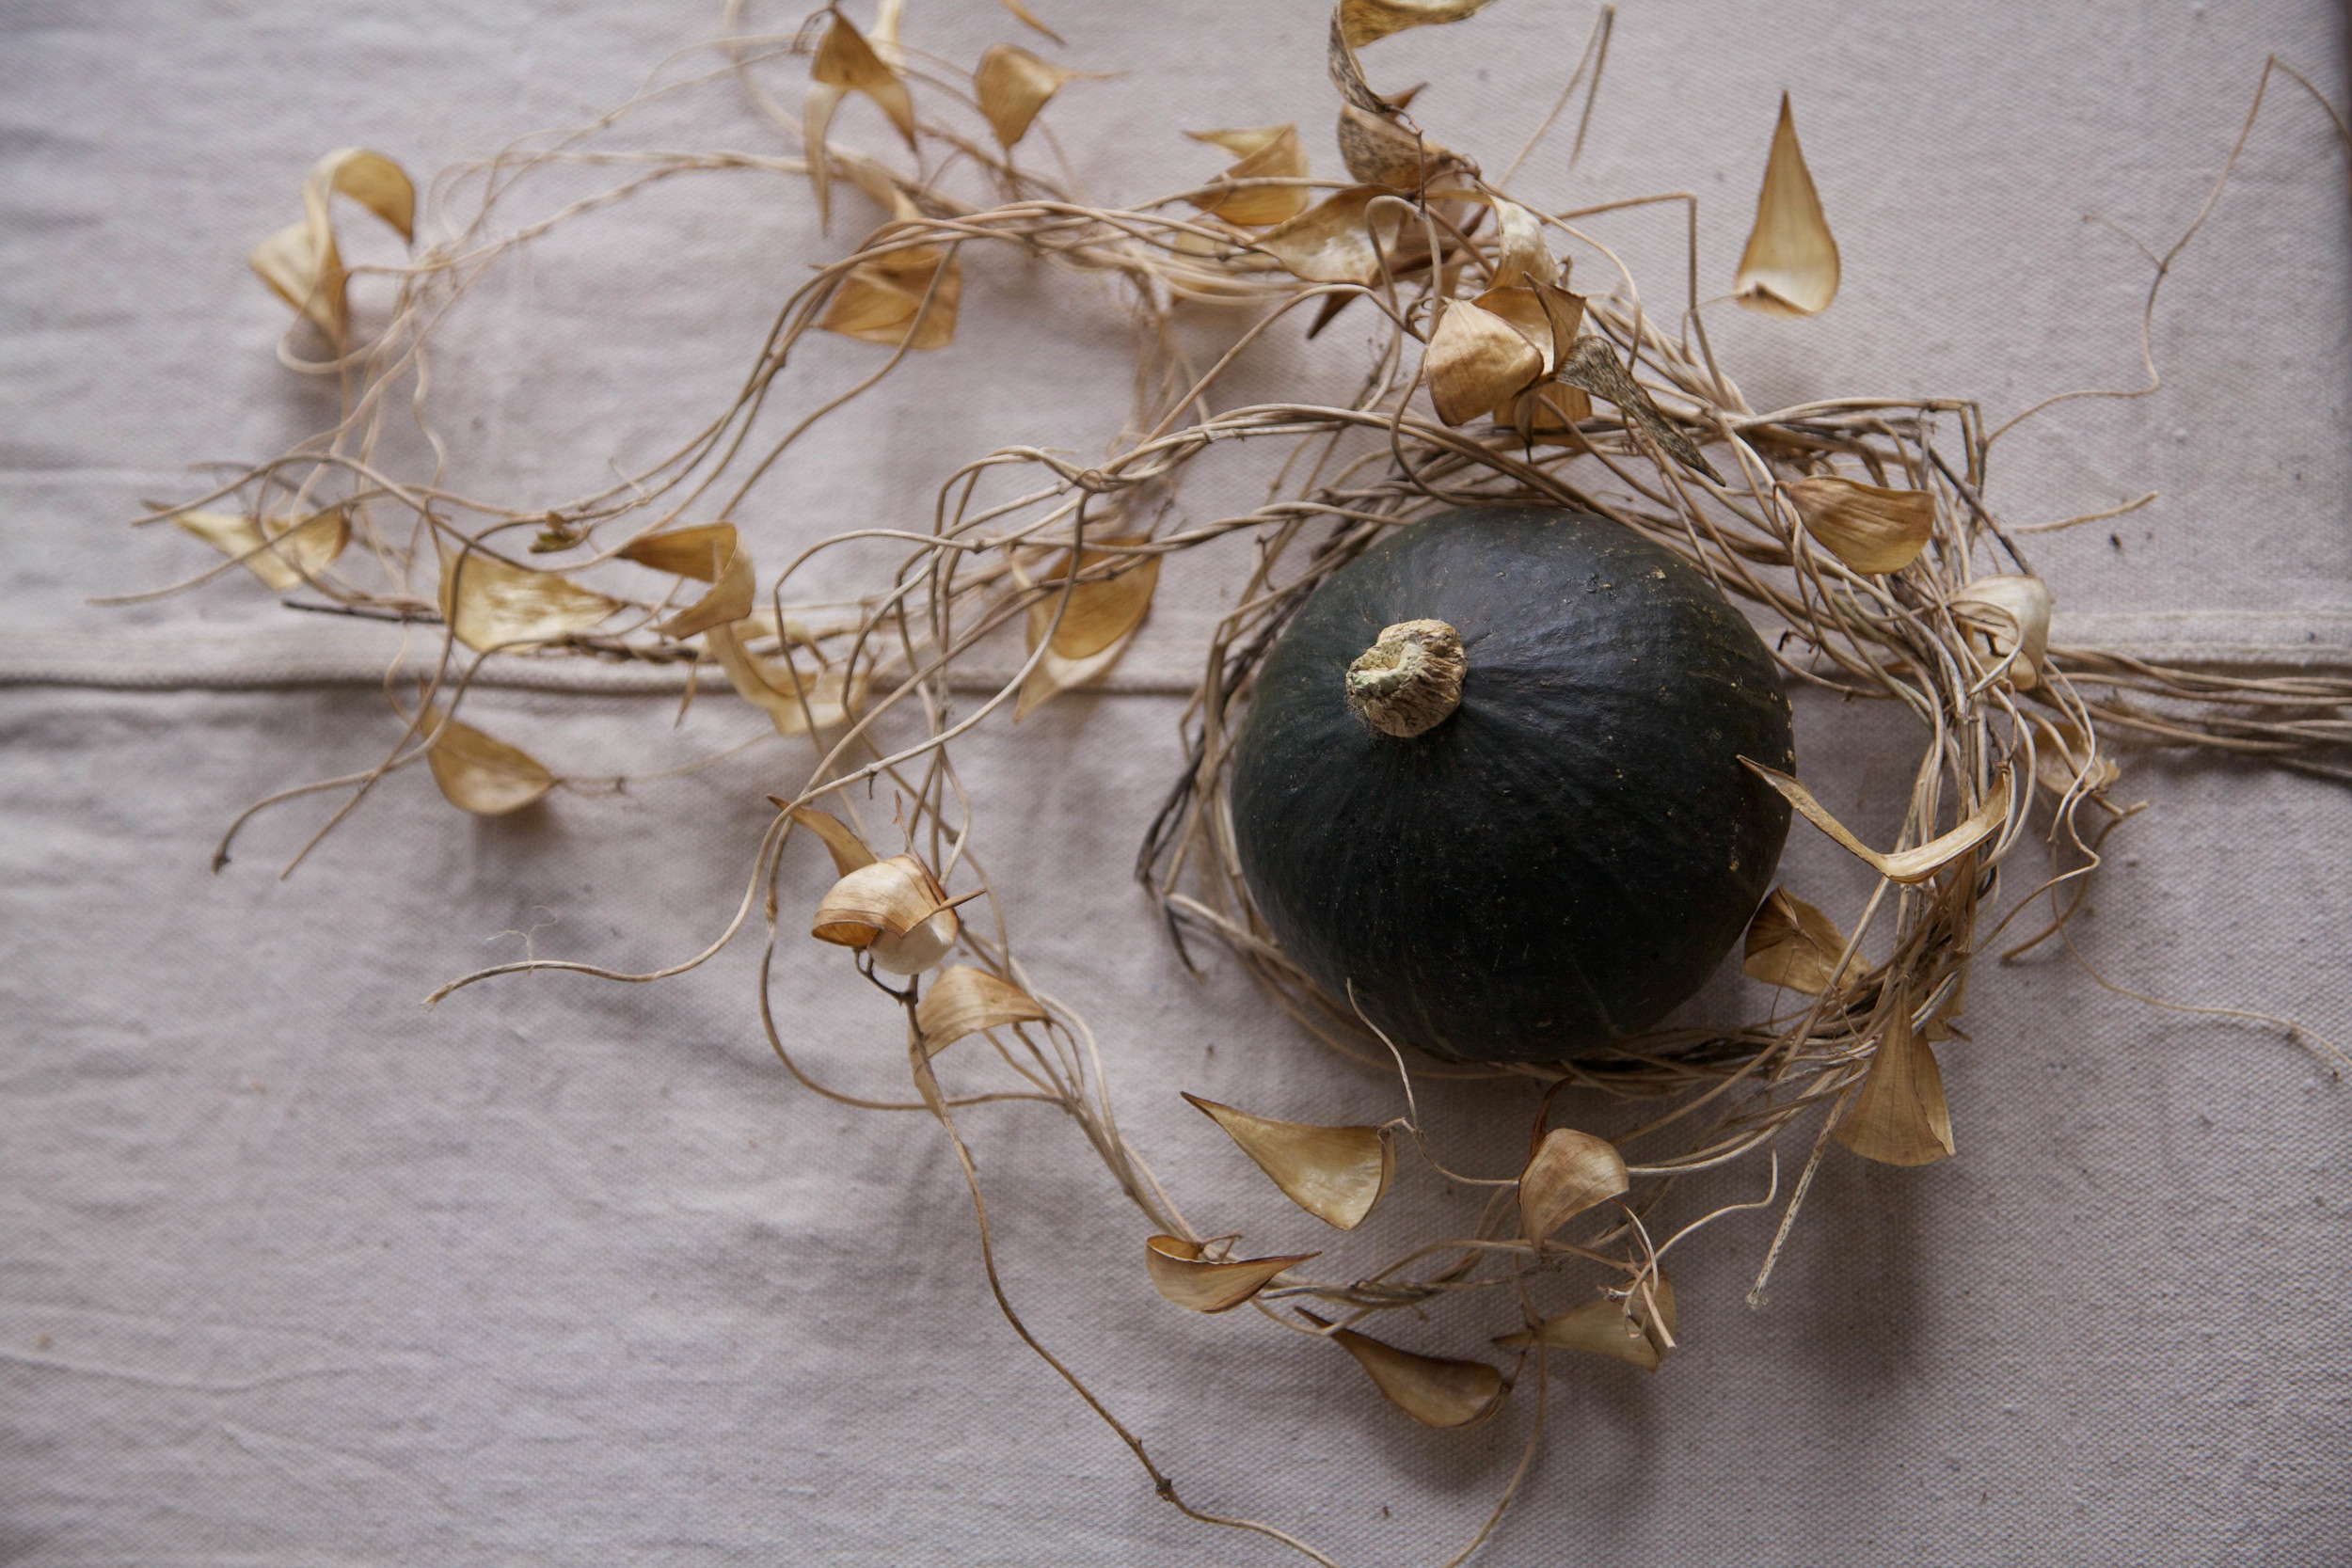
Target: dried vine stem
{"x": 2017, "y": 740}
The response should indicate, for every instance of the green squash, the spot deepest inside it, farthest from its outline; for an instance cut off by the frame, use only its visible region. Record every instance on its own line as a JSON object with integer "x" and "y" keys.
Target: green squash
{"x": 1560, "y": 859}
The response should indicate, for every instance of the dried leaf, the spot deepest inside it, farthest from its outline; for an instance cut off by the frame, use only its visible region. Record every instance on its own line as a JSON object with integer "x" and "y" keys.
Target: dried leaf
{"x": 1791, "y": 943}
{"x": 1364, "y": 21}
{"x": 1519, "y": 306}
{"x": 1013, "y": 85}
{"x": 824, "y": 94}
{"x": 1790, "y": 267}
{"x": 1101, "y": 616}
{"x": 894, "y": 908}
{"x": 1868, "y": 528}
{"x": 965, "y": 1001}
{"x": 795, "y": 703}
{"x": 283, "y": 557}
{"x": 1265, "y": 152}
{"x": 1347, "y": 71}
{"x": 1024, "y": 14}
{"x": 847, "y": 59}
{"x": 1336, "y": 1174}
{"x": 1433, "y": 1390}
{"x": 1547, "y": 413}
{"x": 1201, "y": 1285}
{"x": 1606, "y": 1327}
{"x": 883, "y": 300}
{"x": 1593, "y": 365}
{"x": 1378, "y": 150}
{"x": 490, "y": 604}
{"x": 1331, "y": 241}
{"x": 2015, "y": 612}
{"x": 708, "y": 553}
{"x": 1571, "y": 1172}
{"x": 2065, "y": 761}
{"x": 1900, "y": 1118}
{"x": 303, "y": 263}
{"x": 841, "y": 842}
{"x": 480, "y": 773}
{"x": 1520, "y": 254}
{"x": 1904, "y": 866}
{"x": 1476, "y": 360}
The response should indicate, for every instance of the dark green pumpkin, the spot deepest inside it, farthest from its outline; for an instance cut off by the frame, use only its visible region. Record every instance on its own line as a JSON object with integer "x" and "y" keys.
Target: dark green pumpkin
{"x": 1570, "y": 853}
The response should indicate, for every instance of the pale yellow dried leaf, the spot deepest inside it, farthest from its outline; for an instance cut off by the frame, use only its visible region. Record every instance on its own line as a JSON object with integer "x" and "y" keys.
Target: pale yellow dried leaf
{"x": 841, "y": 842}
{"x": 883, "y": 301}
{"x": 965, "y": 1001}
{"x": 1336, "y": 1174}
{"x": 1791, "y": 943}
{"x": 1024, "y": 14}
{"x": 1013, "y": 85}
{"x": 1870, "y": 527}
{"x": 1790, "y": 267}
{"x": 282, "y": 557}
{"x": 1095, "y": 630}
{"x": 303, "y": 264}
{"x": 2013, "y": 611}
{"x": 1519, "y": 306}
{"x": 482, "y": 774}
{"x": 2064, "y": 760}
{"x": 816, "y": 107}
{"x": 1377, "y": 150}
{"x": 701, "y": 553}
{"x": 1520, "y": 254}
{"x": 1900, "y": 1116}
{"x": 1053, "y": 674}
{"x": 1200, "y": 1284}
{"x": 894, "y": 908}
{"x": 1330, "y": 242}
{"x": 1547, "y": 413}
{"x": 1604, "y": 1328}
{"x": 1265, "y": 152}
{"x": 1363, "y": 21}
{"x": 491, "y": 604}
{"x": 1476, "y": 360}
{"x": 846, "y": 58}
{"x": 1569, "y": 1173}
{"x": 794, "y": 702}
{"x": 1904, "y": 866}
{"x": 1435, "y": 1392}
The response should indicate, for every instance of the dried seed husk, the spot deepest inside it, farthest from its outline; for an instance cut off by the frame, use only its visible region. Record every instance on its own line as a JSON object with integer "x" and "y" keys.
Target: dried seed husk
{"x": 2065, "y": 760}
{"x": 1475, "y": 360}
{"x": 303, "y": 264}
{"x": 1377, "y": 150}
{"x": 282, "y": 557}
{"x": 895, "y": 909}
{"x": 1591, "y": 365}
{"x": 883, "y": 300}
{"x": 1265, "y": 152}
{"x": 490, "y": 604}
{"x": 795, "y": 703}
{"x": 1900, "y": 1116}
{"x": 1519, "y": 306}
{"x": 1791, "y": 943}
{"x": 1199, "y": 1284}
{"x": 1101, "y": 618}
{"x": 1904, "y": 866}
{"x": 965, "y": 1001}
{"x": 1790, "y": 267}
{"x": 1337, "y": 1174}
{"x": 826, "y": 90}
{"x": 480, "y": 773}
{"x": 1520, "y": 254}
{"x": 1868, "y": 528}
{"x": 841, "y": 842}
{"x": 1364, "y": 22}
{"x": 1609, "y": 1327}
{"x": 708, "y": 553}
{"x": 1437, "y": 1391}
{"x": 2013, "y": 611}
{"x": 1013, "y": 85}
{"x": 1330, "y": 242}
{"x": 1569, "y": 1173}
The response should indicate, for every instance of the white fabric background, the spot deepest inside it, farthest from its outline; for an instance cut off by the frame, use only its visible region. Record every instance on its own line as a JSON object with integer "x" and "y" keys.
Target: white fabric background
{"x": 291, "y": 1271}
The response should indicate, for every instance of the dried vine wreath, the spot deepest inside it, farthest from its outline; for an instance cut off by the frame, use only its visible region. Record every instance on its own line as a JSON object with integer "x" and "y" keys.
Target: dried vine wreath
{"x": 1855, "y": 525}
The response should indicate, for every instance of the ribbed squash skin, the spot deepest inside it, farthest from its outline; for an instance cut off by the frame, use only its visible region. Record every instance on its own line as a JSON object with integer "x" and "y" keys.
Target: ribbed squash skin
{"x": 1568, "y": 855}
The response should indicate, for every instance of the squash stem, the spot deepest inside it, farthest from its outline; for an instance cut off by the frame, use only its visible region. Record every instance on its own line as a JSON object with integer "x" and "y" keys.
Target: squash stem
{"x": 1410, "y": 680}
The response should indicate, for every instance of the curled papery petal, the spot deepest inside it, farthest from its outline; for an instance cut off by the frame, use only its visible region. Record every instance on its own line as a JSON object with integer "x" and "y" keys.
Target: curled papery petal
{"x": 707, "y": 553}
{"x": 908, "y": 297}
{"x": 1476, "y": 360}
{"x": 847, "y": 59}
{"x": 1900, "y": 1116}
{"x": 482, "y": 774}
{"x": 1013, "y": 85}
{"x": 2066, "y": 761}
{"x": 1332, "y": 241}
{"x": 1521, "y": 256}
{"x": 1434, "y": 1390}
{"x": 2013, "y": 611}
{"x": 841, "y": 842}
{"x": 894, "y": 907}
{"x": 283, "y": 556}
{"x": 1200, "y": 1284}
{"x": 1868, "y": 528}
{"x": 302, "y": 264}
{"x": 1791, "y": 943}
{"x": 1336, "y": 1174}
{"x": 1609, "y": 1327}
{"x": 489, "y": 604}
{"x": 1265, "y": 152}
{"x": 1904, "y": 866}
{"x": 794, "y": 702}
{"x": 1363, "y": 21}
{"x": 965, "y": 1001}
{"x": 1790, "y": 267}
{"x": 1571, "y": 1172}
